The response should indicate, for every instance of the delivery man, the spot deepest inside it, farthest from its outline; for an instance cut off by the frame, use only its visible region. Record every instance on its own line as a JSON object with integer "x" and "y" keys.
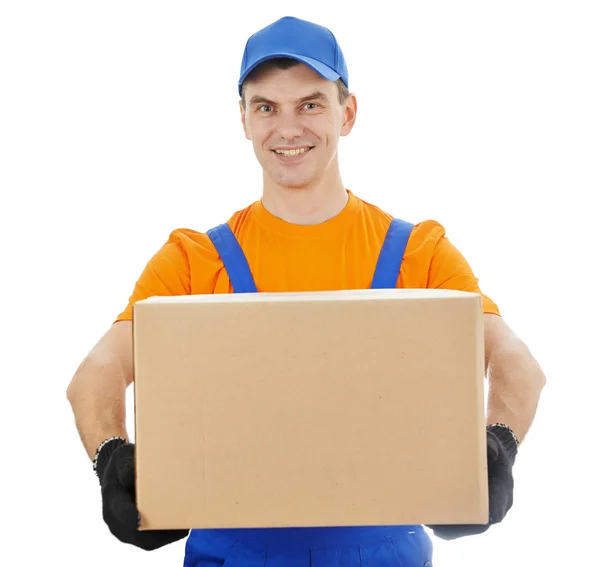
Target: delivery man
{"x": 307, "y": 233}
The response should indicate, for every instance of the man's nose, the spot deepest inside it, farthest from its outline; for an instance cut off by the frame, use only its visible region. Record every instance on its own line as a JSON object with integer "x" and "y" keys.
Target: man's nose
{"x": 289, "y": 125}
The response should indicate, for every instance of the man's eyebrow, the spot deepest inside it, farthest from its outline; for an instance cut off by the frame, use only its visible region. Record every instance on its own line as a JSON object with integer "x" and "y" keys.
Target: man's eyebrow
{"x": 317, "y": 95}
{"x": 314, "y": 96}
{"x": 259, "y": 98}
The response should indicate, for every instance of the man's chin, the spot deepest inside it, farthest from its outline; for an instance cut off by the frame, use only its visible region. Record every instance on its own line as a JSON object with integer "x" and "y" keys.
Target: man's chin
{"x": 291, "y": 182}
{"x": 295, "y": 186}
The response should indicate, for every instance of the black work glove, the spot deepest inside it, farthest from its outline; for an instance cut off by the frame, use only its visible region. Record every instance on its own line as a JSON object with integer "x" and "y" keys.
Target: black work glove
{"x": 115, "y": 468}
{"x": 501, "y": 454}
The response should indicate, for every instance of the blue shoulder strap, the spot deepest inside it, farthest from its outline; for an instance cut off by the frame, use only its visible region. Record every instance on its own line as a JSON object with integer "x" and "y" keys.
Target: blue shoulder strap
{"x": 386, "y": 271}
{"x": 233, "y": 258}
{"x": 391, "y": 255}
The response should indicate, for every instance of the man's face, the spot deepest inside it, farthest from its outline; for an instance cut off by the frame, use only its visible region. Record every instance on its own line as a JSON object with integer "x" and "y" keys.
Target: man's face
{"x": 294, "y": 119}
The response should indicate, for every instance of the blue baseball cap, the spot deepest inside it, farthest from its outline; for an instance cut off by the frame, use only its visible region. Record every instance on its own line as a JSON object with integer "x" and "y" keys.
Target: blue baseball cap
{"x": 298, "y": 39}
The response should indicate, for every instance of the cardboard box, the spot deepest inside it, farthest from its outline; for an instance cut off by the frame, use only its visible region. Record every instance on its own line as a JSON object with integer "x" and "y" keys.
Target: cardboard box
{"x": 310, "y": 409}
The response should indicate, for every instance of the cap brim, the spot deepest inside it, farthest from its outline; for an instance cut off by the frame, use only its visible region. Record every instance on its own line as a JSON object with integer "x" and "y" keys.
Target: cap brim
{"x": 323, "y": 70}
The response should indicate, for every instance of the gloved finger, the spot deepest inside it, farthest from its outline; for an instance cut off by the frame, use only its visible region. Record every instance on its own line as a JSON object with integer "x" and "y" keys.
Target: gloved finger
{"x": 154, "y": 539}
{"x": 501, "y": 486}
{"x": 125, "y": 466}
{"x": 492, "y": 448}
{"x": 123, "y": 508}
{"x": 501, "y": 503}
{"x": 455, "y": 531}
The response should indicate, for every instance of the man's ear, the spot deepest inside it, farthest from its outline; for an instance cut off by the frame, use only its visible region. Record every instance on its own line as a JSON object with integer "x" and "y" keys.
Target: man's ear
{"x": 350, "y": 111}
{"x": 243, "y": 117}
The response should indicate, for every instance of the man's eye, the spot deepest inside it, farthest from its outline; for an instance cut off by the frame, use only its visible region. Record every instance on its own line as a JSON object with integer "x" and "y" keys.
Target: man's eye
{"x": 313, "y": 104}
{"x": 263, "y": 106}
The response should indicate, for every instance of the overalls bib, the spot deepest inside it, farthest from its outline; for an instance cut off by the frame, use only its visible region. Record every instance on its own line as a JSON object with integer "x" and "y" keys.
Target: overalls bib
{"x": 342, "y": 546}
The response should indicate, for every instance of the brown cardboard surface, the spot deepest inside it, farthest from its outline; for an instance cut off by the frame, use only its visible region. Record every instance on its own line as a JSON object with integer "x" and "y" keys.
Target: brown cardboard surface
{"x": 310, "y": 409}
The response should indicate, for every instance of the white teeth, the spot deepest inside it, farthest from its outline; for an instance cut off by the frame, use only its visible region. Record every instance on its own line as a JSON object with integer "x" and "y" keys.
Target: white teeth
{"x": 292, "y": 152}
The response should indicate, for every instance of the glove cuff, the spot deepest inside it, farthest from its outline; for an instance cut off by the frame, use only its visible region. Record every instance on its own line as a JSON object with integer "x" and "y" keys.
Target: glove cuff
{"x": 103, "y": 453}
{"x": 507, "y": 438}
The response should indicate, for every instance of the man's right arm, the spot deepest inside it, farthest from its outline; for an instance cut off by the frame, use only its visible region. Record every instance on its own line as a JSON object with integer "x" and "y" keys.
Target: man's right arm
{"x": 97, "y": 390}
{"x": 97, "y": 394}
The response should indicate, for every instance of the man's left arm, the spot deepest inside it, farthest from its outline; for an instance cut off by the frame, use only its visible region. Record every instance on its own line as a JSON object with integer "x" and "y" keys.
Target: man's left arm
{"x": 515, "y": 382}
{"x": 515, "y": 378}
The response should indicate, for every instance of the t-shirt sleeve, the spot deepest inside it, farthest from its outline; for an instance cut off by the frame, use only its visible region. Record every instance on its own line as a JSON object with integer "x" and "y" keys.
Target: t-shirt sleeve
{"x": 450, "y": 270}
{"x": 167, "y": 273}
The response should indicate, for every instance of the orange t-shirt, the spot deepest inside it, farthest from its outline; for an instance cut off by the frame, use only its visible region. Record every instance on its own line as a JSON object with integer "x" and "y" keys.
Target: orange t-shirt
{"x": 340, "y": 253}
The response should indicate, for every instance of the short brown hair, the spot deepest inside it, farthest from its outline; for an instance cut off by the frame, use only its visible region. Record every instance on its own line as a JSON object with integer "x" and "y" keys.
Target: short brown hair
{"x": 286, "y": 63}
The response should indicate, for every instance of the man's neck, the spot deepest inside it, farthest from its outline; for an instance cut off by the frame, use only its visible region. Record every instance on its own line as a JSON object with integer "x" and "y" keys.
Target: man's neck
{"x": 306, "y": 205}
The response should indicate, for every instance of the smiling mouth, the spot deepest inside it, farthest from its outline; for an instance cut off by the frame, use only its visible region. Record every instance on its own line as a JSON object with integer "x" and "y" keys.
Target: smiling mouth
{"x": 294, "y": 152}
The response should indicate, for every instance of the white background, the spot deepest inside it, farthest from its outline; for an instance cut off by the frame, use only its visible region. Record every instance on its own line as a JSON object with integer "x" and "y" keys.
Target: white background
{"x": 119, "y": 122}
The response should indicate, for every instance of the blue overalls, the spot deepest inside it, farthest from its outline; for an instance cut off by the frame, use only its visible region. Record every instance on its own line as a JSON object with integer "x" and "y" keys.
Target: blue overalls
{"x": 341, "y": 546}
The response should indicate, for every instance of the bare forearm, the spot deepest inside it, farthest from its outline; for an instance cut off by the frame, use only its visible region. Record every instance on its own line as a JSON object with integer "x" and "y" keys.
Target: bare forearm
{"x": 515, "y": 385}
{"x": 97, "y": 397}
